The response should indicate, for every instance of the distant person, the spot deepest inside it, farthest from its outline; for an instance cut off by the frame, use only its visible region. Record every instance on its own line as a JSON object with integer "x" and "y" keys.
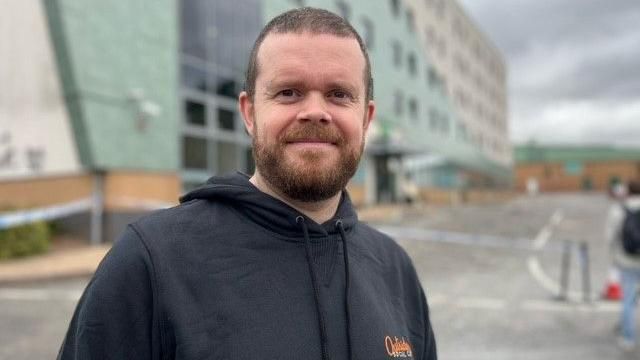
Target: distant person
{"x": 627, "y": 262}
{"x": 275, "y": 265}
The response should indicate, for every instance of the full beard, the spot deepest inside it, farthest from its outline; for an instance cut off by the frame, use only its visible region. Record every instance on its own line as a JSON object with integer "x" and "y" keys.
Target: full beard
{"x": 311, "y": 181}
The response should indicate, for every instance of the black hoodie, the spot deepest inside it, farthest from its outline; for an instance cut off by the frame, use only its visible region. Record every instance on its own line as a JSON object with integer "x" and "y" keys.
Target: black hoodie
{"x": 233, "y": 273}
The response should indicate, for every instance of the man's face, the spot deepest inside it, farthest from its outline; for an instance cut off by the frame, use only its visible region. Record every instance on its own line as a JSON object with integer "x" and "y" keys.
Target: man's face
{"x": 308, "y": 118}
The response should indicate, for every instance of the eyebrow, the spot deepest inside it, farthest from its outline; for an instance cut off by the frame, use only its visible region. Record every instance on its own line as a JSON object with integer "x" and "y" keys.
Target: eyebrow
{"x": 278, "y": 83}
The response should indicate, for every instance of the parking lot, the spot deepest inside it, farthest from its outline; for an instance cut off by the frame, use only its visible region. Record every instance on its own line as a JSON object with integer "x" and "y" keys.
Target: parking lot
{"x": 491, "y": 273}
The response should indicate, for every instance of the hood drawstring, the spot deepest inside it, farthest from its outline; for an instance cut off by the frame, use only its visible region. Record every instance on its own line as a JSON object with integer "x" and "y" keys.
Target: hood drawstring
{"x": 316, "y": 289}
{"x": 347, "y": 305}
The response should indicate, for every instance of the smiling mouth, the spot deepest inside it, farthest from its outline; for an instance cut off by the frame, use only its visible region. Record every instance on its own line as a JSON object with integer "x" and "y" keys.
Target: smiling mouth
{"x": 310, "y": 142}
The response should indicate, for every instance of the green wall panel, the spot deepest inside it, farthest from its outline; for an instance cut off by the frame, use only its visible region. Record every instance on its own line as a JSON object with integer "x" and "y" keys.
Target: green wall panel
{"x": 108, "y": 51}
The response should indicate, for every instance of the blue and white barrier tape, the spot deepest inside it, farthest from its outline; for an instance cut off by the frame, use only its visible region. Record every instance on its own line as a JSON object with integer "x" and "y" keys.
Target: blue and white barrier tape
{"x": 16, "y": 218}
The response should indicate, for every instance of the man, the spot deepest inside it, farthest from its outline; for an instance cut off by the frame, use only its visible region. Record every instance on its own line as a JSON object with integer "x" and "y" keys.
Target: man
{"x": 275, "y": 266}
{"x": 628, "y": 264}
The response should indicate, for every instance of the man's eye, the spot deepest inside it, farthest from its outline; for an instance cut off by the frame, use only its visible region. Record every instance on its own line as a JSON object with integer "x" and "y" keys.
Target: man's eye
{"x": 287, "y": 92}
{"x": 340, "y": 94}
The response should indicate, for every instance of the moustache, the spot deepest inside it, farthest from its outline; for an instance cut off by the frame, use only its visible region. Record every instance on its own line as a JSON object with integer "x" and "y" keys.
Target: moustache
{"x": 313, "y": 131}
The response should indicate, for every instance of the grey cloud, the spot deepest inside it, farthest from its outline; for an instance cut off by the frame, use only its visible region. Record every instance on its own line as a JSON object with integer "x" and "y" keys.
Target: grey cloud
{"x": 567, "y": 51}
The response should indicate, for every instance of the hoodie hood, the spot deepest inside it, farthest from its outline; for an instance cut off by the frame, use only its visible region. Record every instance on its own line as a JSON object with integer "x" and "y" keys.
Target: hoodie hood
{"x": 267, "y": 211}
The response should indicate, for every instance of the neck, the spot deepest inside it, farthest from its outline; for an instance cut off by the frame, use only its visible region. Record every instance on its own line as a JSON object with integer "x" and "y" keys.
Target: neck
{"x": 318, "y": 211}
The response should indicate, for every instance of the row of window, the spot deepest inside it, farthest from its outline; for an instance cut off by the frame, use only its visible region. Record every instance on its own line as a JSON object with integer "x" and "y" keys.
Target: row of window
{"x": 213, "y": 138}
{"x": 195, "y": 114}
{"x": 464, "y": 100}
{"x": 396, "y": 10}
{"x": 215, "y": 156}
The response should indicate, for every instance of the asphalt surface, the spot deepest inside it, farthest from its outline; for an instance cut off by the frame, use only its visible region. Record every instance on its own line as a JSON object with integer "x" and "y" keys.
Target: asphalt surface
{"x": 490, "y": 273}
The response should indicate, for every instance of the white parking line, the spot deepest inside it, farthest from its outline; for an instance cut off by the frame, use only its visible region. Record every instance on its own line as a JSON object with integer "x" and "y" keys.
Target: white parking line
{"x": 533, "y": 263}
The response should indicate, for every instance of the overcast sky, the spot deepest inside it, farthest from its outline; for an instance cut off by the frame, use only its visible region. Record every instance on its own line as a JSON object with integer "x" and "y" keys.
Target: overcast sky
{"x": 574, "y": 67}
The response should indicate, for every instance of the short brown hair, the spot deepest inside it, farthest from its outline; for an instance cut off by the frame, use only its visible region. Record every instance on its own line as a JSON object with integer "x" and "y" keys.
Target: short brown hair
{"x": 315, "y": 21}
{"x": 633, "y": 187}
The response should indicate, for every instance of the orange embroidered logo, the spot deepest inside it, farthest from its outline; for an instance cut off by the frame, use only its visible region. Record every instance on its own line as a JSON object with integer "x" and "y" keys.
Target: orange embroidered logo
{"x": 398, "y": 348}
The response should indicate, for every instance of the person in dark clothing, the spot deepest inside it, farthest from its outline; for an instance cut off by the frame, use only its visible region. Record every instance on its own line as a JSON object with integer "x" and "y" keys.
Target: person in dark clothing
{"x": 276, "y": 265}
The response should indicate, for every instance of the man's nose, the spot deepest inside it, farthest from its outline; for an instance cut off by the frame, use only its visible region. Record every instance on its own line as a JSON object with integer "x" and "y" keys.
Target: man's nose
{"x": 315, "y": 108}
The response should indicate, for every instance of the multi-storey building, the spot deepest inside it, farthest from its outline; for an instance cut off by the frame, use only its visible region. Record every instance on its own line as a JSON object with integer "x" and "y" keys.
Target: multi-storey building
{"x": 470, "y": 70}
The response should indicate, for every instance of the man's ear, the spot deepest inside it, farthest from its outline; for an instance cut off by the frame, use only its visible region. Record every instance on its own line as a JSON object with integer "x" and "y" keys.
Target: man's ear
{"x": 245, "y": 105}
{"x": 369, "y": 115}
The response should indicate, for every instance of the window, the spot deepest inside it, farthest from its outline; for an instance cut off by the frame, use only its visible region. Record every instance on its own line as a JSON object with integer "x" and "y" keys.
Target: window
{"x": 399, "y": 102}
{"x": 193, "y": 26}
{"x": 413, "y": 108}
{"x": 411, "y": 24}
{"x": 395, "y": 7}
{"x": 249, "y": 163}
{"x": 194, "y": 153}
{"x": 397, "y": 53}
{"x": 432, "y": 78}
{"x": 226, "y": 119}
{"x": 344, "y": 10}
{"x": 411, "y": 62}
{"x": 195, "y": 113}
{"x": 224, "y": 86}
{"x": 193, "y": 78}
{"x": 368, "y": 32}
{"x": 227, "y": 156}
{"x": 433, "y": 119}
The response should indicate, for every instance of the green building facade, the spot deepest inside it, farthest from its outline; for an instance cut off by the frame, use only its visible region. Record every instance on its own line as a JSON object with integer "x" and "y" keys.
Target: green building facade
{"x": 151, "y": 85}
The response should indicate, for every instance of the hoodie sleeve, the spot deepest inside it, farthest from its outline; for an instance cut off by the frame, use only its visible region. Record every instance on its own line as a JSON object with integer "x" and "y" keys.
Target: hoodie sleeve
{"x": 430, "y": 352}
{"x": 114, "y": 318}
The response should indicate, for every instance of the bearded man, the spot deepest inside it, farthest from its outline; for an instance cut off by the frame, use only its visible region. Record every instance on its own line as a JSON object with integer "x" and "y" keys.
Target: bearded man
{"x": 276, "y": 265}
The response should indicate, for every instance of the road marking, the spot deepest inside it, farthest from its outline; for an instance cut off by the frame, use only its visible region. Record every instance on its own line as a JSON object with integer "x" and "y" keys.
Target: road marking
{"x": 533, "y": 263}
{"x": 16, "y": 294}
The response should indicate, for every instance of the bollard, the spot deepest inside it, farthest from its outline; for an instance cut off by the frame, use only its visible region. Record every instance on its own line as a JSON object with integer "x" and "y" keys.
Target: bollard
{"x": 564, "y": 270}
{"x": 584, "y": 265}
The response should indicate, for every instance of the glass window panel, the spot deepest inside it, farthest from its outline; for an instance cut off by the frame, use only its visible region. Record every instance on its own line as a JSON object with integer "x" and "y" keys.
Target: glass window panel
{"x": 193, "y": 78}
{"x": 194, "y": 152}
{"x": 223, "y": 86}
{"x": 413, "y": 108}
{"x": 193, "y": 25}
{"x": 227, "y": 156}
{"x": 226, "y": 119}
{"x": 395, "y": 7}
{"x": 249, "y": 165}
{"x": 344, "y": 10}
{"x": 411, "y": 61}
{"x": 195, "y": 113}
